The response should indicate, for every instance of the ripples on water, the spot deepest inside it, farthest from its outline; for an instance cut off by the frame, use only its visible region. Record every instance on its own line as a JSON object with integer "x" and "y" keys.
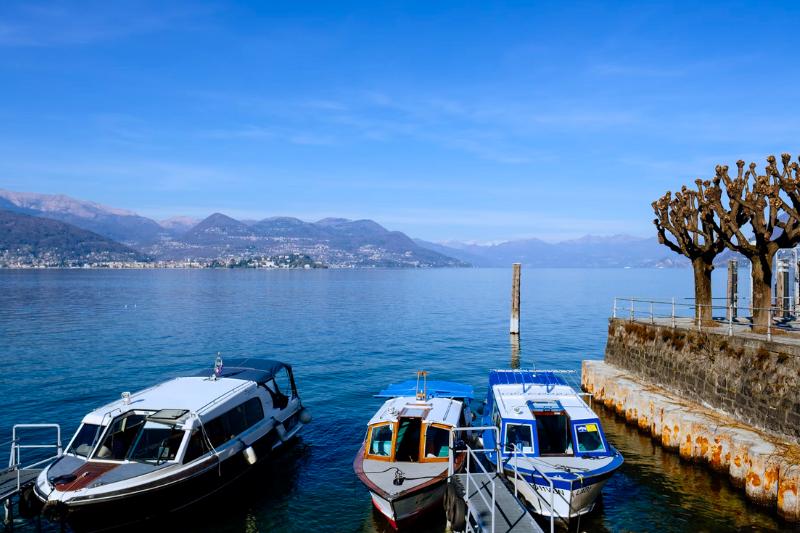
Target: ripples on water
{"x": 73, "y": 340}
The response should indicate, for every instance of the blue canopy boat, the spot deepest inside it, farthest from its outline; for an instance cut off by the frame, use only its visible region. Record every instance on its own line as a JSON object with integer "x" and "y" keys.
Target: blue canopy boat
{"x": 552, "y": 444}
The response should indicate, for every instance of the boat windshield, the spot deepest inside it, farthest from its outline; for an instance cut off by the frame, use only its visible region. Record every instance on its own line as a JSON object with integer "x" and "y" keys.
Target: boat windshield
{"x": 84, "y": 440}
{"x": 589, "y": 439}
{"x": 380, "y": 440}
{"x": 119, "y": 437}
{"x": 519, "y": 437}
{"x": 135, "y": 438}
{"x": 156, "y": 442}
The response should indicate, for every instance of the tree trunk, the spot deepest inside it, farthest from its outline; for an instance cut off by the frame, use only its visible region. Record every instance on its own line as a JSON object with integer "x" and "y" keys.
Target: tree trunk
{"x": 762, "y": 290}
{"x": 702, "y": 290}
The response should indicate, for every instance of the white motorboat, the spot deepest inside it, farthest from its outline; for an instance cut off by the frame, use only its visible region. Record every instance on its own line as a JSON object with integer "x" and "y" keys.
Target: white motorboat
{"x": 552, "y": 445}
{"x": 404, "y": 459}
{"x": 171, "y": 445}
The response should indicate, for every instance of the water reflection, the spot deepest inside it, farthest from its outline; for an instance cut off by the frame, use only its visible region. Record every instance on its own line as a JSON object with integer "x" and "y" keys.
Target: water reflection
{"x": 657, "y": 491}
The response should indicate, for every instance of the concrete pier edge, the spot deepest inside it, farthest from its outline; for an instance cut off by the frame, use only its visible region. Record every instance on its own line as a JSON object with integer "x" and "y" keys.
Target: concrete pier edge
{"x": 765, "y": 465}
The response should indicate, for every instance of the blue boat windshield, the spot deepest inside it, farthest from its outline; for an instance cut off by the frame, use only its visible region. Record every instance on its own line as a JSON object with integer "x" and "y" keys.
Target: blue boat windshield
{"x": 589, "y": 438}
{"x": 519, "y": 437}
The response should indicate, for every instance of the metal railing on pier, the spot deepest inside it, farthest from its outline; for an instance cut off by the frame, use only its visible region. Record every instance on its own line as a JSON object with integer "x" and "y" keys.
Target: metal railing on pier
{"x": 551, "y": 508}
{"x": 472, "y": 459}
{"x": 684, "y": 312}
{"x": 19, "y": 474}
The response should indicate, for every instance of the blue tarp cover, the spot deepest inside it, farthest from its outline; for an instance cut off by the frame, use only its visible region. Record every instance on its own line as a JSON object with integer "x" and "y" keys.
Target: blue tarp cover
{"x": 435, "y": 389}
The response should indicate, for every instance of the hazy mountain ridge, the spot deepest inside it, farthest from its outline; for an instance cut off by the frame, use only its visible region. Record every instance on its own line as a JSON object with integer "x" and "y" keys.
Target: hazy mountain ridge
{"x": 333, "y": 241}
{"x": 587, "y": 251}
{"x": 117, "y": 224}
{"x": 28, "y": 239}
{"x": 336, "y": 242}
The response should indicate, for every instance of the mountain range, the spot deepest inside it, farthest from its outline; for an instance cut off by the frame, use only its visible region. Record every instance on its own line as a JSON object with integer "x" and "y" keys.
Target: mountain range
{"x": 588, "y": 251}
{"x": 337, "y": 242}
{"x": 26, "y": 239}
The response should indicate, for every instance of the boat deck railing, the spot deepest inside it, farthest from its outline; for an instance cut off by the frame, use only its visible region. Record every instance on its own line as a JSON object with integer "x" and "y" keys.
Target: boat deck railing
{"x": 224, "y": 396}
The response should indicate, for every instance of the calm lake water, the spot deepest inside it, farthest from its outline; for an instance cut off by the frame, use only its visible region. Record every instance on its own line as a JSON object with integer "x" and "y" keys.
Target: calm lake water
{"x": 73, "y": 340}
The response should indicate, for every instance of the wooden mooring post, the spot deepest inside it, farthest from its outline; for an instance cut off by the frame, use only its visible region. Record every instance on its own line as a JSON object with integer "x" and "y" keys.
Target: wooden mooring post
{"x": 515, "y": 359}
{"x": 517, "y": 267}
{"x": 733, "y": 289}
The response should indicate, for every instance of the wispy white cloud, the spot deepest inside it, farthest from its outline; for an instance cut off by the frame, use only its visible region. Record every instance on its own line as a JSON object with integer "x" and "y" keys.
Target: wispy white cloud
{"x": 504, "y": 132}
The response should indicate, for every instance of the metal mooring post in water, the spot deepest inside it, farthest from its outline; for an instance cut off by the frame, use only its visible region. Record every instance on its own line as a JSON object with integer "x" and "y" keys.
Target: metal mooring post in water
{"x": 515, "y": 299}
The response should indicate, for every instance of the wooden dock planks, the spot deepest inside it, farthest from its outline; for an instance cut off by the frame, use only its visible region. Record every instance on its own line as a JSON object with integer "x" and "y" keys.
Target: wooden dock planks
{"x": 8, "y": 481}
{"x": 510, "y": 515}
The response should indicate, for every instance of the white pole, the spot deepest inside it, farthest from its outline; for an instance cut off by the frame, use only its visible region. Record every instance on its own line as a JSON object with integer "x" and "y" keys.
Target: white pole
{"x": 673, "y": 312}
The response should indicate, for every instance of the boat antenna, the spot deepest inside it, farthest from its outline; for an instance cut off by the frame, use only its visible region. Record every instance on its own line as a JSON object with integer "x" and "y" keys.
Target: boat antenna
{"x": 423, "y": 394}
{"x": 217, "y": 367}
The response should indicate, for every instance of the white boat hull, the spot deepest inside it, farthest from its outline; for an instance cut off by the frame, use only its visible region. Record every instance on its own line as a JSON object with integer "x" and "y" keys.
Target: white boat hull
{"x": 409, "y": 506}
{"x": 566, "y": 503}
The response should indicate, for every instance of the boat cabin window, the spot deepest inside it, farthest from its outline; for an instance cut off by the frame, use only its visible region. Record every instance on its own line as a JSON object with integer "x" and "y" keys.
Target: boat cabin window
{"x": 85, "y": 439}
{"x": 120, "y": 436}
{"x": 156, "y": 442}
{"x": 380, "y": 440}
{"x": 519, "y": 437}
{"x": 553, "y": 432}
{"x": 235, "y": 421}
{"x": 196, "y": 447}
{"x": 406, "y": 446}
{"x": 437, "y": 442}
{"x": 589, "y": 439}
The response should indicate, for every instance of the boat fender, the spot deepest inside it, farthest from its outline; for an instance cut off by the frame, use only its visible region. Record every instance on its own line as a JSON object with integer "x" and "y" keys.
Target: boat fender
{"x": 449, "y": 496}
{"x": 55, "y": 510}
{"x": 250, "y": 455}
{"x": 459, "y": 522}
{"x": 305, "y": 416}
{"x": 29, "y": 505}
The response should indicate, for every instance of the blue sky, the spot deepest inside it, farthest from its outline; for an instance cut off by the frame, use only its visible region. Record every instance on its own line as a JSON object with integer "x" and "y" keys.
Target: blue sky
{"x": 475, "y": 121}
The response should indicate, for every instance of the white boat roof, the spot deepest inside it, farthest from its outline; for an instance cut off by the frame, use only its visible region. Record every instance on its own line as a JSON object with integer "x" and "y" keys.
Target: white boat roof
{"x": 194, "y": 394}
{"x": 516, "y": 392}
{"x": 438, "y": 410}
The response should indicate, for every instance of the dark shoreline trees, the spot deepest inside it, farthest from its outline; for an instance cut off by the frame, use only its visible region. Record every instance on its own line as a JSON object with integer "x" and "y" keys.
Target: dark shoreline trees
{"x": 689, "y": 218}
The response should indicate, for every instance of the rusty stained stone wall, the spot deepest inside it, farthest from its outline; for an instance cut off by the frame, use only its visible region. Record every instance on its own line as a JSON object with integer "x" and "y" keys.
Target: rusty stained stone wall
{"x": 754, "y": 381}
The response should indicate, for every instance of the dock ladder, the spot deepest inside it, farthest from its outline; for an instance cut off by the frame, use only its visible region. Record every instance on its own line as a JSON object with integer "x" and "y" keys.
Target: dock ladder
{"x": 478, "y": 499}
{"x": 18, "y": 475}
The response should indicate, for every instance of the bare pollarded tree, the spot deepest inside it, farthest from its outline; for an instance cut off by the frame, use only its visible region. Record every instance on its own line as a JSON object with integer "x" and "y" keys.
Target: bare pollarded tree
{"x": 689, "y": 218}
{"x": 770, "y": 204}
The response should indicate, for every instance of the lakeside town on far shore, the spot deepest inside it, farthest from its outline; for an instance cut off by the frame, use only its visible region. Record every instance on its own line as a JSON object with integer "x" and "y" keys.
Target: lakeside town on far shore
{"x": 289, "y": 261}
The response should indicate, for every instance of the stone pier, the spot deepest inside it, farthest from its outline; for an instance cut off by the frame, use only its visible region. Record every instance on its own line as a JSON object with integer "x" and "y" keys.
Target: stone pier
{"x": 765, "y": 466}
{"x": 730, "y": 403}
